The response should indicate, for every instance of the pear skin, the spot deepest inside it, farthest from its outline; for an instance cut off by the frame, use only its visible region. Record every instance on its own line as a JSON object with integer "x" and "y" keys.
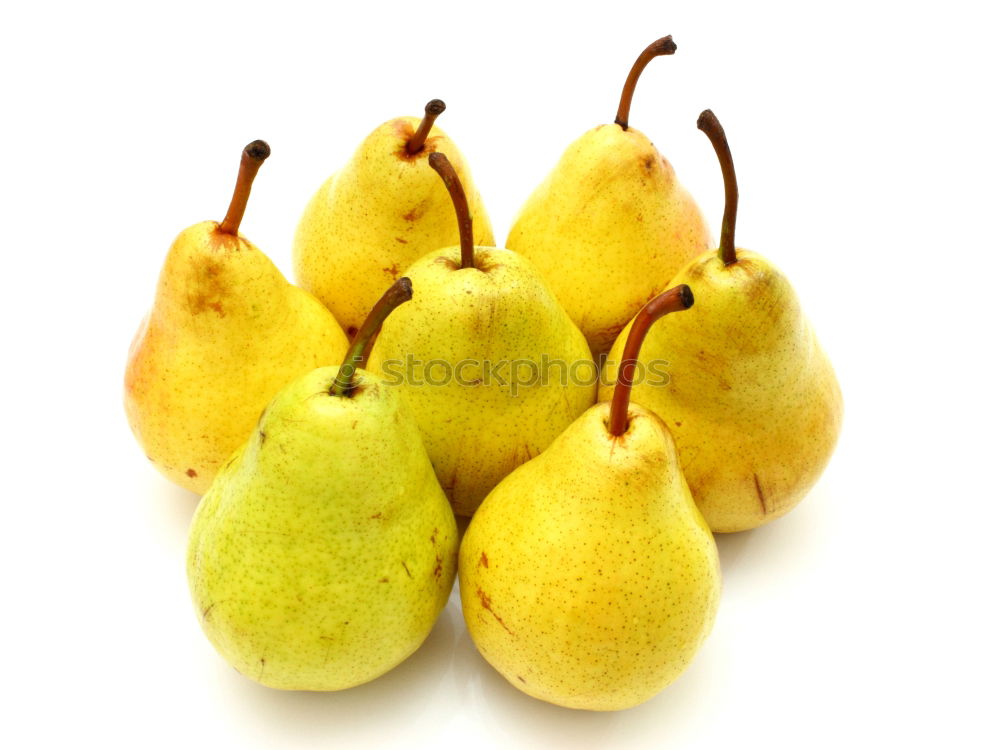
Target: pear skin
{"x": 377, "y": 215}
{"x": 751, "y": 399}
{"x": 608, "y": 228}
{"x": 478, "y": 421}
{"x": 325, "y": 549}
{"x": 225, "y": 333}
{"x": 630, "y": 582}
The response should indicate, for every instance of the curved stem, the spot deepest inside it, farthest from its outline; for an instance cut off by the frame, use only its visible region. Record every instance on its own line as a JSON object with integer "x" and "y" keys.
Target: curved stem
{"x": 672, "y": 300}
{"x": 432, "y": 109}
{"x": 253, "y": 156}
{"x": 357, "y": 355}
{"x": 444, "y": 168}
{"x": 664, "y": 46}
{"x": 709, "y": 124}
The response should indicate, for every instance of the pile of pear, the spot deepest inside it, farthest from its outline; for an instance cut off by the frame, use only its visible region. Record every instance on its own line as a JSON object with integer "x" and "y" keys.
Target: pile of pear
{"x": 325, "y": 543}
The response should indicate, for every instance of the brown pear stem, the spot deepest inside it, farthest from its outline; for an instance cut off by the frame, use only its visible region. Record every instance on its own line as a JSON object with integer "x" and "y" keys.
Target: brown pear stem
{"x": 672, "y": 300}
{"x": 253, "y": 156}
{"x": 664, "y": 46}
{"x": 444, "y": 168}
{"x": 709, "y": 124}
{"x": 431, "y": 111}
{"x": 357, "y": 355}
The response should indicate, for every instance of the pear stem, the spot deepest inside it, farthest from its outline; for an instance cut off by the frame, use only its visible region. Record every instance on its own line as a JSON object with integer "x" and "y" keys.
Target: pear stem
{"x": 253, "y": 156}
{"x": 709, "y": 124}
{"x": 672, "y": 300}
{"x": 664, "y": 46}
{"x": 444, "y": 168}
{"x": 431, "y": 111}
{"x": 357, "y": 355}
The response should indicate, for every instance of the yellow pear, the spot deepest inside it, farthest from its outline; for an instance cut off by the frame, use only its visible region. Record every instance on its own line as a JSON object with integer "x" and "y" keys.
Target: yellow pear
{"x": 325, "y": 549}
{"x": 225, "y": 332}
{"x": 379, "y": 214}
{"x": 611, "y": 224}
{"x": 588, "y": 578}
{"x": 490, "y": 364}
{"x": 749, "y": 395}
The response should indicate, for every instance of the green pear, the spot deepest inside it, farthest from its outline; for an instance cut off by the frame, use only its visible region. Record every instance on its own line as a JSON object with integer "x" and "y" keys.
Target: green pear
{"x": 588, "y": 578}
{"x": 379, "y": 214}
{"x": 325, "y": 549}
{"x": 611, "y": 224}
{"x": 752, "y": 400}
{"x": 490, "y": 364}
{"x": 225, "y": 332}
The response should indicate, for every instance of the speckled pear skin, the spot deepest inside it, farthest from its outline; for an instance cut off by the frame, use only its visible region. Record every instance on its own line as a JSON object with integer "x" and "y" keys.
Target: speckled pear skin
{"x": 608, "y": 228}
{"x": 752, "y": 400}
{"x": 588, "y": 578}
{"x": 376, "y": 216}
{"x": 325, "y": 549}
{"x": 225, "y": 332}
{"x": 500, "y": 311}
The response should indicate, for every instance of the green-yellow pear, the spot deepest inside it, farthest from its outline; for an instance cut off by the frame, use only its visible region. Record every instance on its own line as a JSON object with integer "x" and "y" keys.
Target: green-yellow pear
{"x": 225, "y": 332}
{"x": 490, "y": 364}
{"x": 379, "y": 214}
{"x": 611, "y": 224}
{"x": 588, "y": 577}
{"x": 325, "y": 549}
{"x": 751, "y": 399}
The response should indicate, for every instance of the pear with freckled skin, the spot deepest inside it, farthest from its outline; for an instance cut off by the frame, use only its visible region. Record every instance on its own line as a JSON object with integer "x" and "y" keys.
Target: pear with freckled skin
{"x": 488, "y": 361}
{"x": 752, "y": 400}
{"x": 368, "y": 222}
{"x": 225, "y": 332}
{"x": 611, "y": 224}
{"x": 324, "y": 551}
{"x": 588, "y": 578}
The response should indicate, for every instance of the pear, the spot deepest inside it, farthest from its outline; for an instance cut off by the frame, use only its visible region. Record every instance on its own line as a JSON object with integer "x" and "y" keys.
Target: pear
{"x": 588, "y": 578}
{"x": 751, "y": 399}
{"x": 225, "y": 332}
{"x": 379, "y": 214}
{"x": 611, "y": 224}
{"x": 325, "y": 549}
{"x": 491, "y": 365}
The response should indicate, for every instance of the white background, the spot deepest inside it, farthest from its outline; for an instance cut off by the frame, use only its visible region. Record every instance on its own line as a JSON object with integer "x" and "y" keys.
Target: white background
{"x": 865, "y": 139}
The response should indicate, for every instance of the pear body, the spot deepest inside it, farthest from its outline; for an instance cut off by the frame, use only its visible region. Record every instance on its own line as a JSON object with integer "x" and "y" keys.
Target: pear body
{"x": 608, "y": 228}
{"x": 225, "y": 333}
{"x": 324, "y": 551}
{"x": 490, "y": 364}
{"x": 381, "y": 212}
{"x": 751, "y": 398}
{"x": 588, "y": 577}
